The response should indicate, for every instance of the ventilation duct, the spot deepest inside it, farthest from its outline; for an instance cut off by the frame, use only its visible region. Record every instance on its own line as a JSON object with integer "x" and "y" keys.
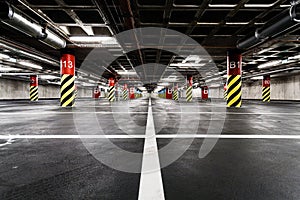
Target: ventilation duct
{"x": 285, "y": 22}
{"x": 18, "y": 20}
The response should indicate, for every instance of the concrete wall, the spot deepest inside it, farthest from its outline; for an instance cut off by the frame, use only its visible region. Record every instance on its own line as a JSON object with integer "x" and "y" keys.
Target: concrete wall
{"x": 13, "y": 89}
{"x": 282, "y": 88}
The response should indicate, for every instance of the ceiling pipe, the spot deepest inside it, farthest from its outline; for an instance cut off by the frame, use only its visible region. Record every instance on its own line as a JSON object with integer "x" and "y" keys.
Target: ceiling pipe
{"x": 285, "y": 22}
{"x": 19, "y": 21}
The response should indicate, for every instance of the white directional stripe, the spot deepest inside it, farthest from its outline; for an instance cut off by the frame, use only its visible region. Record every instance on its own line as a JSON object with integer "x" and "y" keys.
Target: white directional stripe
{"x": 151, "y": 186}
{"x": 162, "y": 136}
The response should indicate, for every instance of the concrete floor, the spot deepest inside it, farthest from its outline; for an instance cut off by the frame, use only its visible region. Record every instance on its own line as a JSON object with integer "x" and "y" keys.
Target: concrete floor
{"x": 65, "y": 168}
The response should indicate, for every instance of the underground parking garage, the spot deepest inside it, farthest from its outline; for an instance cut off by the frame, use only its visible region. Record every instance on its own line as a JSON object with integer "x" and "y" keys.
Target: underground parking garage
{"x": 145, "y": 99}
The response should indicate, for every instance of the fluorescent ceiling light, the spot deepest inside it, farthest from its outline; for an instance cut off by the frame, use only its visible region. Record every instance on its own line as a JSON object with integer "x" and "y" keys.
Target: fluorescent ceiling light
{"x": 28, "y": 64}
{"x": 8, "y": 69}
{"x": 257, "y": 78}
{"x": 193, "y": 58}
{"x": 222, "y": 5}
{"x": 48, "y": 77}
{"x": 207, "y": 23}
{"x": 285, "y": 6}
{"x": 269, "y": 64}
{"x": 237, "y": 23}
{"x": 294, "y": 57}
{"x": 264, "y": 50}
{"x": 126, "y": 72}
{"x": 258, "y": 5}
{"x": 4, "y": 56}
{"x": 187, "y": 64}
{"x": 94, "y": 39}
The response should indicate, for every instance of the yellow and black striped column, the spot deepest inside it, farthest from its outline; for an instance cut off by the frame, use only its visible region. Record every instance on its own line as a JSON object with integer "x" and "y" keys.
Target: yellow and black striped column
{"x": 225, "y": 92}
{"x": 175, "y": 94}
{"x": 234, "y": 79}
{"x": 67, "y": 85}
{"x": 266, "y": 89}
{"x": 34, "y": 85}
{"x": 125, "y": 92}
{"x": 189, "y": 90}
{"x": 112, "y": 90}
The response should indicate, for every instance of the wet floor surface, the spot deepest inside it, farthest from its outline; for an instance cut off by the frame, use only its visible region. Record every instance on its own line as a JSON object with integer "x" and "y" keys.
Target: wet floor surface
{"x": 72, "y": 168}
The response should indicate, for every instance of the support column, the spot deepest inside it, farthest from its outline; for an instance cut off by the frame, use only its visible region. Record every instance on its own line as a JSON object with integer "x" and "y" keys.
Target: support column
{"x": 189, "y": 90}
{"x": 34, "y": 84}
{"x": 175, "y": 93}
{"x": 67, "y": 86}
{"x": 225, "y": 92}
{"x": 266, "y": 90}
{"x": 234, "y": 79}
{"x": 112, "y": 90}
{"x": 168, "y": 93}
{"x": 204, "y": 94}
{"x": 131, "y": 93}
{"x": 125, "y": 92}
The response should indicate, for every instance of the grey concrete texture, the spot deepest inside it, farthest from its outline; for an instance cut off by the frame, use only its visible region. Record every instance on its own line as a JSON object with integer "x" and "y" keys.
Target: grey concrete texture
{"x": 64, "y": 169}
{"x": 13, "y": 89}
{"x": 61, "y": 168}
{"x": 282, "y": 88}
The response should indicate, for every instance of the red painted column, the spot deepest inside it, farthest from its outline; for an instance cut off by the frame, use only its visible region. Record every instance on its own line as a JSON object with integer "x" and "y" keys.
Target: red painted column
{"x": 234, "y": 79}
{"x": 266, "y": 88}
{"x": 67, "y": 86}
{"x": 168, "y": 93}
{"x": 204, "y": 90}
{"x": 96, "y": 93}
{"x": 34, "y": 95}
{"x": 131, "y": 93}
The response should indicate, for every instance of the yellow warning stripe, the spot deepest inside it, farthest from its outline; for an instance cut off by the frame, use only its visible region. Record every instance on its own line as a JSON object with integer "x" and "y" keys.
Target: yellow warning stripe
{"x": 235, "y": 89}
{"x": 65, "y": 104}
{"x": 69, "y": 82}
{"x": 233, "y": 93}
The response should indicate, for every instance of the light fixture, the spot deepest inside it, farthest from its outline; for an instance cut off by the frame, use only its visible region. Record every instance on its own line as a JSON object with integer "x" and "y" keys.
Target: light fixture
{"x": 29, "y": 64}
{"x": 94, "y": 39}
{"x": 8, "y": 69}
{"x": 257, "y": 78}
{"x": 49, "y": 77}
{"x": 222, "y": 5}
{"x": 187, "y": 64}
{"x": 4, "y": 56}
{"x": 258, "y": 5}
{"x": 237, "y": 23}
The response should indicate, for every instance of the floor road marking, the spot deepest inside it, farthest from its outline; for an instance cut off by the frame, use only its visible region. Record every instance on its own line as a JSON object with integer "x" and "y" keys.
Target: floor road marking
{"x": 162, "y": 136}
{"x": 151, "y": 186}
{"x": 109, "y": 112}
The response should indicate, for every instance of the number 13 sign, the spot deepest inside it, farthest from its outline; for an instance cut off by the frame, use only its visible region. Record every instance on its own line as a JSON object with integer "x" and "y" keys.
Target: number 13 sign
{"x": 67, "y": 64}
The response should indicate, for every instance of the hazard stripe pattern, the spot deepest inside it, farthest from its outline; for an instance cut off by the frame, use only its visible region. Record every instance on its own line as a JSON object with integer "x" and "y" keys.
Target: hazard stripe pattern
{"x": 111, "y": 94}
{"x": 34, "y": 96}
{"x": 125, "y": 94}
{"x": 266, "y": 94}
{"x": 234, "y": 91}
{"x": 67, "y": 90}
{"x": 225, "y": 94}
{"x": 175, "y": 95}
{"x": 189, "y": 93}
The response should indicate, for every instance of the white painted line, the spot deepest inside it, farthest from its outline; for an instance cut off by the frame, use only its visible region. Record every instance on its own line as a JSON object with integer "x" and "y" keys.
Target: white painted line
{"x": 108, "y": 112}
{"x": 151, "y": 186}
{"x": 230, "y": 136}
{"x": 62, "y": 113}
{"x": 71, "y": 136}
{"x": 179, "y": 136}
